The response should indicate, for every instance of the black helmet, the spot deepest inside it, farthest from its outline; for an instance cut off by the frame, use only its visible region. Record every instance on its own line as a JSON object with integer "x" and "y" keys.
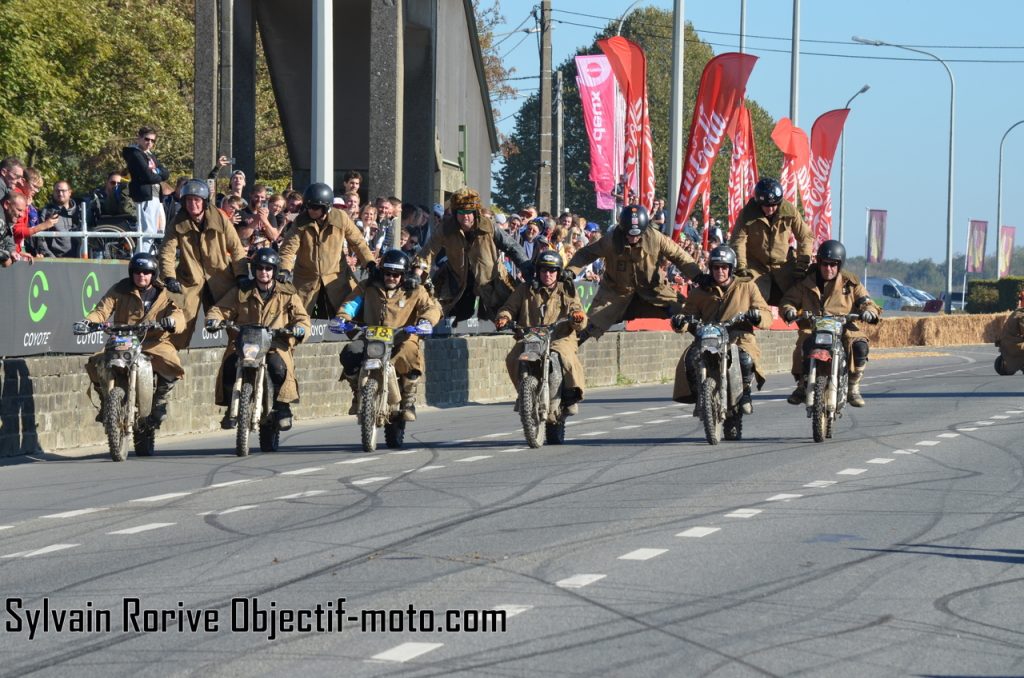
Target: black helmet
{"x": 768, "y": 191}
{"x": 196, "y": 187}
{"x": 723, "y": 254}
{"x": 318, "y": 195}
{"x": 832, "y": 250}
{"x": 266, "y": 256}
{"x": 143, "y": 261}
{"x": 633, "y": 219}
{"x": 395, "y": 260}
{"x": 549, "y": 259}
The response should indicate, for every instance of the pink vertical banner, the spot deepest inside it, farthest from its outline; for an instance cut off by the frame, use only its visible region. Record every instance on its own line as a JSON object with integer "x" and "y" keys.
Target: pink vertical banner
{"x": 977, "y": 232}
{"x": 1007, "y": 234}
{"x": 598, "y": 93}
{"x": 876, "y": 235}
{"x": 743, "y": 170}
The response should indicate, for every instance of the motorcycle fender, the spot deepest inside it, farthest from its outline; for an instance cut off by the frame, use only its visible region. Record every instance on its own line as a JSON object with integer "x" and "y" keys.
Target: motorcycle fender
{"x": 394, "y": 392}
{"x": 821, "y": 354}
{"x": 236, "y": 393}
{"x": 734, "y": 378}
{"x": 529, "y": 356}
{"x": 144, "y": 386}
{"x": 554, "y": 387}
{"x": 812, "y": 376}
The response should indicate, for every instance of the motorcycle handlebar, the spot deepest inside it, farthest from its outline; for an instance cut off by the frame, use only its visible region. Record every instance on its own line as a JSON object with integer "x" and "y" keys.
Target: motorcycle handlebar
{"x": 228, "y": 325}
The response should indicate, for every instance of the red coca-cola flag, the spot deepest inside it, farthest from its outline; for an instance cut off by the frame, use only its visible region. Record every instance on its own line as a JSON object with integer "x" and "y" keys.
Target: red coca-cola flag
{"x": 796, "y": 151}
{"x": 722, "y": 88}
{"x": 630, "y": 67}
{"x": 825, "y": 135}
{"x": 743, "y": 171}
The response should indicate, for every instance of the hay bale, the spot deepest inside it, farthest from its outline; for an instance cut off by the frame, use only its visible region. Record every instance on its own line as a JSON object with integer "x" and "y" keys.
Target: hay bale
{"x": 936, "y": 330}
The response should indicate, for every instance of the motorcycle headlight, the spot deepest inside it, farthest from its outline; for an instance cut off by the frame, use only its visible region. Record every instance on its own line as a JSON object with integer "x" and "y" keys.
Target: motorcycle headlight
{"x": 372, "y": 364}
{"x": 250, "y": 351}
{"x": 823, "y": 339}
{"x": 376, "y": 349}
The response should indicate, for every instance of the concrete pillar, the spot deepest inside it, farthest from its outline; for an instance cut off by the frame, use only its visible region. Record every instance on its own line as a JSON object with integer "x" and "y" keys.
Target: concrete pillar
{"x": 204, "y": 134}
{"x": 244, "y": 90}
{"x": 322, "y": 137}
{"x": 387, "y": 85}
{"x": 225, "y": 77}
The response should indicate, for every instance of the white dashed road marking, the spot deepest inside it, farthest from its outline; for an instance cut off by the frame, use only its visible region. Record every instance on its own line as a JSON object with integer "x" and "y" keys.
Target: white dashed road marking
{"x": 578, "y": 581}
{"x": 624, "y": 428}
{"x": 43, "y": 551}
{"x": 405, "y": 652}
{"x": 73, "y": 514}
{"x": 142, "y": 528}
{"x": 851, "y": 471}
{"x": 592, "y": 433}
{"x": 643, "y": 554}
{"x": 233, "y": 509}
{"x": 743, "y": 513}
{"x": 928, "y": 443}
{"x": 359, "y": 460}
{"x": 967, "y": 429}
{"x": 425, "y": 468}
{"x": 821, "y": 483}
{"x": 476, "y": 458}
{"x": 984, "y": 423}
{"x": 302, "y": 471}
{"x": 948, "y": 435}
{"x": 999, "y": 416}
{"x": 657, "y": 421}
{"x": 229, "y": 483}
{"x": 880, "y": 460}
{"x": 162, "y": 497}
{"x": 783, "y": 497}
{"x": 401, "y": 452}
{"x": 301, "y": 495}
{"x": 511, "y": 610}
{"x": 697, "y": 532}
{"x": 515, "y": 449}
{"x": 374, "y": 479}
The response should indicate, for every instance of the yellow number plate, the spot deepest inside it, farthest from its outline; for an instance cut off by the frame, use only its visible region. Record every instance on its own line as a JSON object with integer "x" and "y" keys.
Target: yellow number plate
{"x": 379, "y": 333}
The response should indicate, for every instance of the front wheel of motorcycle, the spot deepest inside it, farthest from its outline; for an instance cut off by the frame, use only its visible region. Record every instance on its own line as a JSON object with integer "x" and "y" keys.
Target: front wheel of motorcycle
{"x": 709, "y": 410}
{"x": 528, "y": 388}
{"x": 368, "y": 415}
{"x": 244, "y": 421}
{"x": 819, "y": 411}
{"x": 112, "y": 415}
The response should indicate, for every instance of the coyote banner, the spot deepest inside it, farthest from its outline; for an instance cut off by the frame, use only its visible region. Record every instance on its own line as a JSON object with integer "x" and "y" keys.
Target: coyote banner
{"x": 876, "y": 235}
{"x": 976, "y": 235}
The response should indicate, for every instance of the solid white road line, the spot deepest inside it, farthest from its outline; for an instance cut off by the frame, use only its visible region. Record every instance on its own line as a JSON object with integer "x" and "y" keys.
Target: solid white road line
{"x": 142, "y": 528}
{"x": 821, "y": 483}
{"x": 511, "y": 610}
{"x": 643, "y": 554}
{"x": 880, "y": 460}
{"x": 39, "y": 552}
{"x": 301, "y": 495}
{"x": 72, "y": 514}
{"x": 476, "y": 458}
{"x": 578, "y": 581}
{"x": 162, "y": 497}
{"x": 697, "y": 532}
{"x": 229, "y": 483}
{"x": 405, "y": 652}
{"x": 302, "y": 471}
{"x": 851, "y": 471}
{"x": 743, "y": 513}
{"x": 374, "y": 479}
{"x": 783, "y": 497}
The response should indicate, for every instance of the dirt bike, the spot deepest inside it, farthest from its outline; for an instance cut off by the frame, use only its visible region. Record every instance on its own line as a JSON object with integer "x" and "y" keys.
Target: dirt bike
{"x": 128, "y": 399}
{"x": 719, "y": 382}
{"x": 540, "y": 385}
{"x": 252, "y": 397}
{"x": 826, "y": 374}
{"x": 380, "y": 395}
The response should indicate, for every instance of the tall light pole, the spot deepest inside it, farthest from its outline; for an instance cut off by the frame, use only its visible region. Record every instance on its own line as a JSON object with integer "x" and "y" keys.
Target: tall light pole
{"x": 949, "y": 182}
{"x": 625, "y": 14}
{"x": 999, "y": 190}
{"x": 842, "y": 164}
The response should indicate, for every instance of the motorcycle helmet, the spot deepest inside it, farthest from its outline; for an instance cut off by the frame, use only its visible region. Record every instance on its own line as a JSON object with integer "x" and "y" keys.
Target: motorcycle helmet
{"x": 723, "y": 254}
{"x": 768, "y": 191}
{"x": 549, "y": 259}
{"x": 318, "y": 195}
{"x": 143, "y": 261}
{"x": 196, "y": 187}
{"x": 266, "y": 256}
{"x": 633, "y": 219}
{"x": 395, "y": 260}
{"x": 832, "y": 250}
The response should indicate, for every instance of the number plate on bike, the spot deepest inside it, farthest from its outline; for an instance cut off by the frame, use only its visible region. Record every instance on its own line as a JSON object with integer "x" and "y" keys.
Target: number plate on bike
{"x": 709, "y": 332}
{"x": 123, "y": 343}
{"x": 380, "y": 333}
{"x": 828, "y": 325}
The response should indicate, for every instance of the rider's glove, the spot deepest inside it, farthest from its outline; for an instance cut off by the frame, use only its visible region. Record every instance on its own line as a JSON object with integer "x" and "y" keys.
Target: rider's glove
{"x": 371, "y": 268}
{"x": 742, "y": 273}
{"x": 869, "y": 316}
{"x": 412, "y": 280}
{"x": 501, "y": 322}
{"x": 803, "y": 263}
{"x": 678, "y": 322}
{"x": 173, "y": 285}
{"x": 577, "y": 317}
{"x": 81, "y": 327}
{"x": 754, "y": 316}
{"x": 567, "y": 276}
{"x": 527, "y": 269}
{"x": 340, "y": 326}
{"x": 423, "y": 326}
{"x": 244, "y": 282}
{"x": 703, "y": 280}
{"x": 167, "y": 323}
{"x": 298, "y": 332}
{"x": 789, "y": 314}
{"x": 284, "y": 276}
{"x": 214, "y": 325}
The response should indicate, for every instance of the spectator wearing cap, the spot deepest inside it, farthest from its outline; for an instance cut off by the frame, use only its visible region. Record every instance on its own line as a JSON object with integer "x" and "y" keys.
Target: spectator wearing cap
{"x": 530, "y": 234}
{"x": 147, "y": 174}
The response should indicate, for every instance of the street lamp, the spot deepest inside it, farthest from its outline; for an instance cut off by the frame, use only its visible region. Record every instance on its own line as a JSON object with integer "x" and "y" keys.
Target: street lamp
{"x": 624, "y": 14}
{"x": 999, "y": 185}
{"x": 949, "y": 184}
{"x": 842, "y": 164}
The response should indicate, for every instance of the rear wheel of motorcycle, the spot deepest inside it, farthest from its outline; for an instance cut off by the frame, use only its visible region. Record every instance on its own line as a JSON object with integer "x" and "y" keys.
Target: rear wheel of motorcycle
{"x": 270, "y": 437}
{"x": 394, "y": 432}
{"x": 554, "y": 434}
{"x": 709, "y": 408}
{"x": 368, "y": 415}
{"x": 528, "y": 388}
{"x": 819, "y": 414}
{"x": 244, "y": 420}
{"x": 112, "y": 423}
{"x": 733, "y": 429}
{"x": 145, "y": 440}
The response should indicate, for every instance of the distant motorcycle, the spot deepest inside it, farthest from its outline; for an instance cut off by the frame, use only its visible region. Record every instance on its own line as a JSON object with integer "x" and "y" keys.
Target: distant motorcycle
{"x": 540, "y": 386}
{"x": 380, "y": 395}
{"x": 128, "y": 398}
{"x": 252, "y": 396}
{"x": 826, "y": 374}
{"x": 719, "y": 380}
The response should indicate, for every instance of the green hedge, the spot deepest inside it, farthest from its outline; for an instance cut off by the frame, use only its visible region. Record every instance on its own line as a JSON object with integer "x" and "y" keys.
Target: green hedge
{"x": 993, "y": 296}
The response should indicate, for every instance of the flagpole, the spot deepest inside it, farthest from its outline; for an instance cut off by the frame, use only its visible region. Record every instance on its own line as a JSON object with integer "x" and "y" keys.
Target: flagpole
{"x": 967, "y": 258}
{"x": 867, "y": 242}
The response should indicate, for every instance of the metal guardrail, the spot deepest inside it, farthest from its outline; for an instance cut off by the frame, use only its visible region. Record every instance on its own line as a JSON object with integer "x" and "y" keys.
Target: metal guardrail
{"x": 84, "y": 234}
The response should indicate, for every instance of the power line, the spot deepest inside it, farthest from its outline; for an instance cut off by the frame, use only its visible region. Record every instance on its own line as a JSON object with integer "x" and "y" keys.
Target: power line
{"x": 513, "y": 31}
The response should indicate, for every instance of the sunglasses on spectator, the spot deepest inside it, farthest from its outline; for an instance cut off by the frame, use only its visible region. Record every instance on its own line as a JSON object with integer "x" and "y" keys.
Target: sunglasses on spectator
{"x": 151, "y": 140}
{"x": 464, "y": 212}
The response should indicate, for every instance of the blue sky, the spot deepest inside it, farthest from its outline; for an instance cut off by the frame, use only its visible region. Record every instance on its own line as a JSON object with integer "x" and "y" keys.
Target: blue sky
{"x": 897, "y": 133}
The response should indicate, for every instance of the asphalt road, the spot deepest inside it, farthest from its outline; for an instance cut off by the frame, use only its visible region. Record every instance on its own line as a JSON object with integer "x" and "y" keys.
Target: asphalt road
{"x": 633, "y": 549}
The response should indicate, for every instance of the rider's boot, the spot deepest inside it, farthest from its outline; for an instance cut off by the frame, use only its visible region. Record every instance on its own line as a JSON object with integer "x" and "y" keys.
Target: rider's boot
{"x": 228, "y": 422}
{"x": 799, "y": 394}
{"x": 747, "y": 372}
{"x": 409, "y": 385}
{"x": 570, "y": 402}
{"x": 853, "y": 389}
{"x": 353, "y": 383}
{"x": 160, "y": 395}
{"x": 283, "y": 414}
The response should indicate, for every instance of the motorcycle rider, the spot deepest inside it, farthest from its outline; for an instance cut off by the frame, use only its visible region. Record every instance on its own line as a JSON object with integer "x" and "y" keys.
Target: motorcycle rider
{"x": 134, "y": 300}
{"x": 833, "y": 291}
{"x": 1011, "y": 341}
{"x": 545, "y": 301}
{"x": 761, "y": 239}
{"x": 473, "y": 245}
{"x": 390, "y": 297}
{"x": 271, "y": 304}
{"x": 725, "y": 298}
{"x": 210, "y": 256}
{"x": 313, "y": 257}
{"x": 632, "y": 285}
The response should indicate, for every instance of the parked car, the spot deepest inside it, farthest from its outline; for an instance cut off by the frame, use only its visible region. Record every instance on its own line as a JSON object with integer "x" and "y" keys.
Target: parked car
{"x": 891, "y": 294}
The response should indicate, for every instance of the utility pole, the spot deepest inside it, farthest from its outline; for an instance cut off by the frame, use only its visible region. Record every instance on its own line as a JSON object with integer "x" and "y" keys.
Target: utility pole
{"x": 675, "y": 169}
{"x": 559, "y": 146}
{"x": 544, "y": 162}
{"x": 794, "y": 73}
